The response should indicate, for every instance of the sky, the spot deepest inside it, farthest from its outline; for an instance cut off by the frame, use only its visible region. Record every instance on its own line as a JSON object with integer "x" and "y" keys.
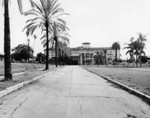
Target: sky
{"x": 100, "y": 22}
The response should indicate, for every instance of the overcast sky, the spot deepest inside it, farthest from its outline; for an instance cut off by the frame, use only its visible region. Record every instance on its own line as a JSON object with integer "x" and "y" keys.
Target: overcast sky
{"x": 100, "y": 22}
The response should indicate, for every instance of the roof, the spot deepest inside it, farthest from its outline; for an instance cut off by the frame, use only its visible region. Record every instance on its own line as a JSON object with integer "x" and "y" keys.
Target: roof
{"x": 86, "y": 43}
{"x": 75, "y": 55}
{"x": 90, "y": 49}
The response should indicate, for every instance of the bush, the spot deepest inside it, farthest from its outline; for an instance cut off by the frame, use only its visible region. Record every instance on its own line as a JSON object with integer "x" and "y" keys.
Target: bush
{"x": 144, "y": 59}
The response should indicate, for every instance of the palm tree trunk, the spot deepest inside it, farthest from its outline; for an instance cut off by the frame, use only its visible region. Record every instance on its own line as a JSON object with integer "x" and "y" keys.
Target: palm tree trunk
{"x": 7, "y": 55}
{"x": 47, "y": 46}
{"x": 140, "y": 61}
{"x": 136, "y": 61}
{"x": 56, "y": 50}
{"x": 55, "y": 39}
{"x": 132, "y": 60}
{"x": 59, "y": 51}
{"x": 63, "y": 58}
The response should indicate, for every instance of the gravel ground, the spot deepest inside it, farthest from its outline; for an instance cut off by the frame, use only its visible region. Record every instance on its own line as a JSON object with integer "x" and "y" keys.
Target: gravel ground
{"x": 137, "y": 78}
{"x": 30, "y": 71}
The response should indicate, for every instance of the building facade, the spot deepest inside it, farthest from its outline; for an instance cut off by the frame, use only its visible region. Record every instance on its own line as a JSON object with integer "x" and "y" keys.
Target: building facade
{"x": 84, "y": 54}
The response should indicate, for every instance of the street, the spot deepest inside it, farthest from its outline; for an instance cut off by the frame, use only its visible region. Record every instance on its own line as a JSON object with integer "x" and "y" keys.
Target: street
{"x": 72, "y": 92}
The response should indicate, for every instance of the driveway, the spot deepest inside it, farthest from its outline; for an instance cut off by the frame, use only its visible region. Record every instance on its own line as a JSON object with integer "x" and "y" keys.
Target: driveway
{"x": 72, "y": 92}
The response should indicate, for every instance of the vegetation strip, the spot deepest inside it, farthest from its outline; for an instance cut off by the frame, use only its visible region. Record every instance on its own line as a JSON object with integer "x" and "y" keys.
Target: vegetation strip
{"x": 144, "y": 97}
{"x": 2, "y": 77}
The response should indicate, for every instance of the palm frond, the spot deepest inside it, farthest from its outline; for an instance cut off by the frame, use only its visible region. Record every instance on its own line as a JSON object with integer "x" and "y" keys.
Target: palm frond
{"x": 32, "y": 12}
{"x": 61, "y": 20}
{"x": 34, "y": 19}
{"x": 43, "y": 41}
{"x": 57, "y": 15}
{"x": 129, "y": 51}
{"x": 20, "y": 6}
{"x": 57, "y": 11}
{"x": 36, "y": 6}
{"x": 64, "y": 38}
{"x": 29, "y": 25}
{"x": 43, "y": 37}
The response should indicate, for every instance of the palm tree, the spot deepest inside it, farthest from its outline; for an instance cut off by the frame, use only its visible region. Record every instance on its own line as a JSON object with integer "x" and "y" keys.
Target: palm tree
{"x": 130, "y": 50}
{"x": 7, "y": 41}
{"x": 59, "y": 38}
{"x": 60, "y": 43}
{"x": 141, "y": 39}
{"x": 116, "y": 46}
{"x": 44, "y": 15}
{"x": 60, "y": 32}
{"x": 136, "y": 51}
{"x": 7, "y": 60}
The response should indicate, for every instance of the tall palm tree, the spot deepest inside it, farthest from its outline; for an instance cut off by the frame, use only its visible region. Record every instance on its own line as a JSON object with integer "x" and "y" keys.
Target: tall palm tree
{"x": 116, "y": 46}
{"x": 7, "y": 60}
{"x": 59, "y": 38}
{"x": 44, "y": 15}
{"x": 7, "y": 41}
{"x": 60, "y": 33}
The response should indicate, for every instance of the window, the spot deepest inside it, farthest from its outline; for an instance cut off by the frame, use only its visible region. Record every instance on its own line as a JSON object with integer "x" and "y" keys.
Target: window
{"x": 87, "y": 55}
{"x": 91, "y": 55}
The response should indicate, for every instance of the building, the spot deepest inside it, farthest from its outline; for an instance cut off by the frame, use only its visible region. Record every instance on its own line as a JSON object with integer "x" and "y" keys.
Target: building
{"x": 51, "y": 53}
{"x": 83, "y": 55}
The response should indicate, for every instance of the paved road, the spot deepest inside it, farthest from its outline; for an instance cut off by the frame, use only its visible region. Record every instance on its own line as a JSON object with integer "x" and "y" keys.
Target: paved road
{"x": 72, "y": 92}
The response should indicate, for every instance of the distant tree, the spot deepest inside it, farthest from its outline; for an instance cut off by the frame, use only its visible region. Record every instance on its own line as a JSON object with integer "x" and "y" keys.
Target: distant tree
{"x": 130, "y": 50}
{"x": 136, "y": 48}
{"x": 22, "y": 52}
{"x": 116, "y": 46}
{"x": 99, "y": 59}
{"x": 141, "y": 40}
{"x": 40, "y": 57}
{"x": 144, "y": 59}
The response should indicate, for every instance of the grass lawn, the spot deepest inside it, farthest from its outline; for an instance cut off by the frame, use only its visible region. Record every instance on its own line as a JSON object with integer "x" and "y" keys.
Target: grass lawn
{"x": 30, "y": 70}
{"x": 137, "y": 78}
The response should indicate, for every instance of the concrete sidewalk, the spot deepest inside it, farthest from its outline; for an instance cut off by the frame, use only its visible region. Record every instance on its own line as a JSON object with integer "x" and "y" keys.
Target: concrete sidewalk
{"x": 72, "y": 92}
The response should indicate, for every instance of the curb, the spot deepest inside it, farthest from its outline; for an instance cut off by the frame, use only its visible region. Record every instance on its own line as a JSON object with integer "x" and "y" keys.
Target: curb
{"x": 20, "y": 85}
{"x": 144, "y": 97}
